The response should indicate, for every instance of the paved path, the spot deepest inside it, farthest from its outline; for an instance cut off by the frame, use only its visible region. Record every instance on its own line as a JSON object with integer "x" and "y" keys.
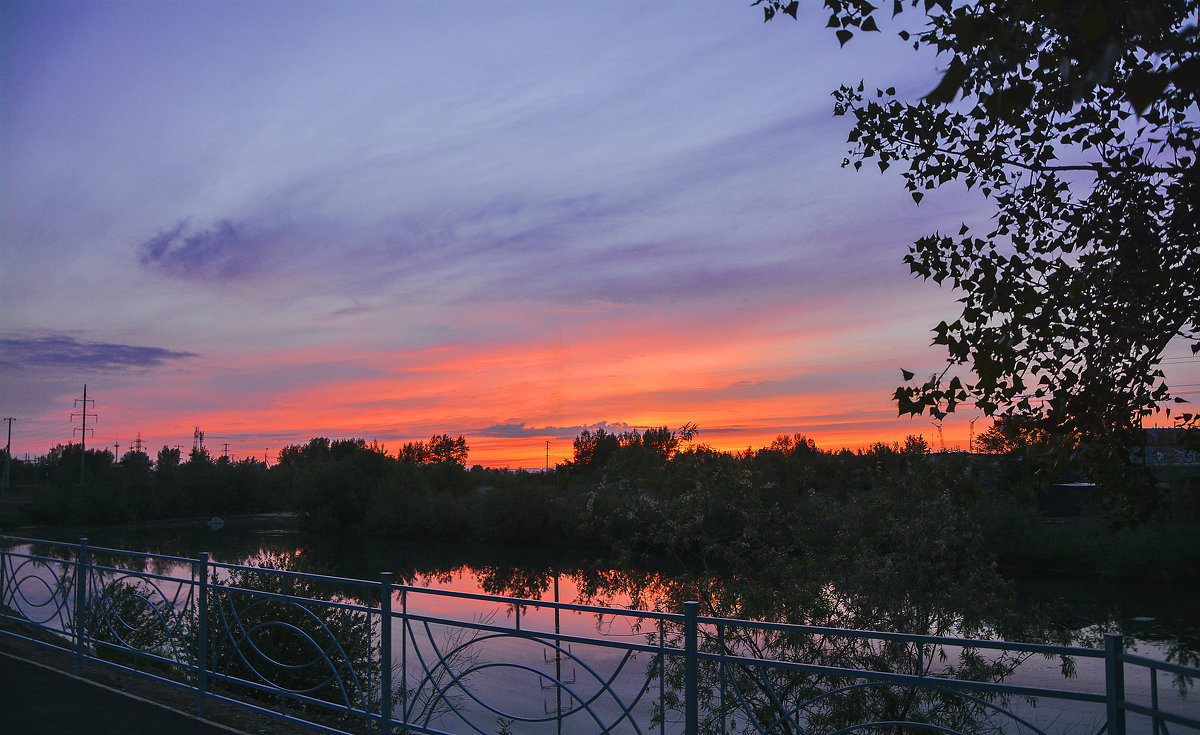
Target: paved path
{"x": 35, "y": 700}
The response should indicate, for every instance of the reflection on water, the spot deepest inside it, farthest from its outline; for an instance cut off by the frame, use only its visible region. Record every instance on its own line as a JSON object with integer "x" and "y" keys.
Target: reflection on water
{"x": 1158, "y": 623}
{"x": 1162, "y": 621}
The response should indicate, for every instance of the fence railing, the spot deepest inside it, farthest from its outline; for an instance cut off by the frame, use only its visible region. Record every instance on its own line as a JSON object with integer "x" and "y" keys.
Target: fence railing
{"x": 348, "y": 656}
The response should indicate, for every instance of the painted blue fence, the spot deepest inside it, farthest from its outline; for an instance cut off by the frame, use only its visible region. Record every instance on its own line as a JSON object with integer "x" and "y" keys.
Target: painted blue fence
{"x": 350, "y": 656}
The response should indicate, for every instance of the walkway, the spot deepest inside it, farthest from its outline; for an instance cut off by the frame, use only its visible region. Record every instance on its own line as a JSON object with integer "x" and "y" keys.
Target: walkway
{"x": 35, "y": 700}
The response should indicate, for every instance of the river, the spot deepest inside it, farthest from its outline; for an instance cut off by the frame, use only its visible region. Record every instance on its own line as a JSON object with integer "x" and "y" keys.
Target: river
{"x": 1159, "y": 622}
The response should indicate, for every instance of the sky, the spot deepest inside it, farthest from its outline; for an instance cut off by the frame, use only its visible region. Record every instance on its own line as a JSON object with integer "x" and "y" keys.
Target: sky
{"x": 504, "y": 220}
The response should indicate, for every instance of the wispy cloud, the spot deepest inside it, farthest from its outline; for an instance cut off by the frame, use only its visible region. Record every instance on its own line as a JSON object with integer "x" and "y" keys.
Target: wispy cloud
{"x": 224, "y": 250}
{"x": 64, "y": 351}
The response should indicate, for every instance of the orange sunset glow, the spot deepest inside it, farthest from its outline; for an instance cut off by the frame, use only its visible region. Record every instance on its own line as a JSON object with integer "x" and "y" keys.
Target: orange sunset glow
{"x": 509, "y": 399}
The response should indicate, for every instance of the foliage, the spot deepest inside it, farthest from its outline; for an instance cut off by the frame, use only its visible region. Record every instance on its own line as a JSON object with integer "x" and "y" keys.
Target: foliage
{"x": 134, "y": 489}
{"x": 592, "y": 451}
{"x": 301, "y": 646}
{"x": 696, "y": 508}
{"x": 909, "y": 555}
{"x": 1077, "y": 119}
{"x": 132, "y": 614}
{"x": 445, "y": 450}
{"x": 1010, "y": 434}
{"x": 440, "y": 450}
{"x": 629, "y": 450}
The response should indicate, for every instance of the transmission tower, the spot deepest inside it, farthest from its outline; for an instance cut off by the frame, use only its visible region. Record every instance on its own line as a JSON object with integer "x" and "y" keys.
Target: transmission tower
{"x": 4, "y": 482}
{"x": 197, "y": 439}
{"x": 137, "y": 444}
{"x": 82, "y": 405}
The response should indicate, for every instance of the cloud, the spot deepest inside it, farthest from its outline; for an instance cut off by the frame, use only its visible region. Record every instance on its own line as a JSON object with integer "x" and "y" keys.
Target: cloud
{"x": 218, "y": 252}
{"x": 57, "y": 350}
{"x": 510, "y": 431}
{"x": 520, "y": 430}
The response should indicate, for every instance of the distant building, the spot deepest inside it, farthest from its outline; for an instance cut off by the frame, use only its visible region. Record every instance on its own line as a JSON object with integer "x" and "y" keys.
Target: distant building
{"x": 1166, "y": 447}
{"x": 1175, "y": 463}
{"x": 1066, "y": 499}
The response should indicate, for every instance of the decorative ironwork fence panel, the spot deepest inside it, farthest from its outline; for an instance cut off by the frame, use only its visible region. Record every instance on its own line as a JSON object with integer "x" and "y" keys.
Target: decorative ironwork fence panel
{"x": 349, "y": 656}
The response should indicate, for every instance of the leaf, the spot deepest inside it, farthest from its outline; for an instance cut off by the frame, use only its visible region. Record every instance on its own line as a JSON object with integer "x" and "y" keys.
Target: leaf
{"x": 917, "y": 197}
{"x": 908, "y": 375}
{"x": 1143, "y": 88}
{"x": 844, "y": 36}
{"x": 952, "y": 81}
{"x": 869, "y": 24}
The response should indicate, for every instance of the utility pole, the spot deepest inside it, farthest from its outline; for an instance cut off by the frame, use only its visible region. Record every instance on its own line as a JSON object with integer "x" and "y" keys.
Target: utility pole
{"x": 226, "y": 452}
{"x": 82, "y": 405}
{"x": 547, "y": 455}
{"x": 4, "y": 482}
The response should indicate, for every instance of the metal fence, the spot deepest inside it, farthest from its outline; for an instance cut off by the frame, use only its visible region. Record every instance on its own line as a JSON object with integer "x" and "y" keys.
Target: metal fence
{"x": 349, "y": 656}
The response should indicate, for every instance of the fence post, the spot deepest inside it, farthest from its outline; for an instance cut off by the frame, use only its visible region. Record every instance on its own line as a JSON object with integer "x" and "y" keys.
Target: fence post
{"x": 202, "y": 635}
{"x": 1114, "y": 682}
{"x": 81, "y": 580}
{"x": 404, "y": 654}
{"x": 721, "y": 670}
{"x": 385, "y": 653}
{"x": 3, "y": 571}
{"x": 691, "y": 705}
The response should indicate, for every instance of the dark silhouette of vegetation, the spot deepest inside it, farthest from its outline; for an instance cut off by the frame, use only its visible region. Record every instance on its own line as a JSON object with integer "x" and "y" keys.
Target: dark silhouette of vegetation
{"x": 652, "y": 495}
{"x": 136, "y": 489}
{"x": 1076, "y": 120}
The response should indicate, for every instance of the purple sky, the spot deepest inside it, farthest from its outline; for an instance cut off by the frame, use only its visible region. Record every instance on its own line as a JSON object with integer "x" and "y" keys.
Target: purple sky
{"x": 500, "y": 219}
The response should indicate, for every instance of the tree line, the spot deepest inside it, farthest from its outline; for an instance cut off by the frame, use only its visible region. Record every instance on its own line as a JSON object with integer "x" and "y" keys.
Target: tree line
{"x": 654, "y": 495}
